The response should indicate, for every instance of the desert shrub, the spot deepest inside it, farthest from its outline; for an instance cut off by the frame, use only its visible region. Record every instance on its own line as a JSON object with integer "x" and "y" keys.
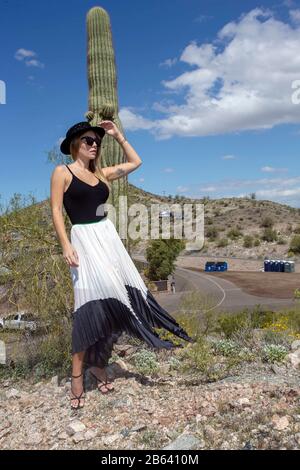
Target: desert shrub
{"x": 198, "y": 357}
{"x": 234, "y": 233}
{"x": 196, "y": 314}
{"x": 297, "y": 294}
{"x": 174, "y": 363}
{"x": 37, "y": 280}
{"x": 248, "y": 241}
{"x": 230, "y": 348}
{"x": 146, "y": 362}
{"x": 295, "y": 244}
{"x": 274, "y": 353}
{"x": 297, "y": 230}
{"x": 212, "y": 233}
{"x": 226, "y": 347}
{"x": 229, "y": 323}
{"x": 269, "y": 235}
{"x": 267, "y": 222}
{"x": 222, "y": 242}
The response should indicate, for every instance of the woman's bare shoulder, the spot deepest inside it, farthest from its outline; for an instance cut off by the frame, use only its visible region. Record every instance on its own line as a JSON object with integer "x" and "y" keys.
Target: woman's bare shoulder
{"x": 60, "y": 172}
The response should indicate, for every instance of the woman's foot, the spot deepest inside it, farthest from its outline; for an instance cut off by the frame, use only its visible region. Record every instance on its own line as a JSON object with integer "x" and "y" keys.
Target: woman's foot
{"x": 77, "y": 396}
{"x": 103, "y": 384}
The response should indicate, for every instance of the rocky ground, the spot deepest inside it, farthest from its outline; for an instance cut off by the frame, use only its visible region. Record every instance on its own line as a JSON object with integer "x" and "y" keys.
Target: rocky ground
{"x": 256, "y": 407}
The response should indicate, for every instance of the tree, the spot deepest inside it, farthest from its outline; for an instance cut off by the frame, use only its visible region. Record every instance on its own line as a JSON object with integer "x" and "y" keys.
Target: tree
{"x": 161, "y": 255}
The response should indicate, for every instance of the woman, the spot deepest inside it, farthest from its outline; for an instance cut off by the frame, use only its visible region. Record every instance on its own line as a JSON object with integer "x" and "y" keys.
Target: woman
{"x": 109, "y": 293}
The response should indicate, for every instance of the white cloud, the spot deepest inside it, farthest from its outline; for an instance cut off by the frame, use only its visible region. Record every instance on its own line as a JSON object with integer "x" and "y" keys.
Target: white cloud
{"x": 209, "y": 189}
{"x": 270, "y": 169}
{"x": 295, "y": 15}
{"x": 26, "y": 56}
{"x": 271, "y": 193}
{"x": 182, "y": 189}
{"x": 284, "y": 190}
{"x": 168, "y": 170}
{"x": 228, "y": 157}
{"x": 202, "y": 18}
{"x": 169, "y": 62}
{"x": 240, "y": 81}
{"x": 132, "y": 121}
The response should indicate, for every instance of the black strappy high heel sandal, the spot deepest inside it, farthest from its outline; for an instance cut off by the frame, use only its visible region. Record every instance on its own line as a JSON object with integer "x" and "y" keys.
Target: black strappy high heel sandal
{"x": 79, "y": 397}
{"x": 103, "y": 382}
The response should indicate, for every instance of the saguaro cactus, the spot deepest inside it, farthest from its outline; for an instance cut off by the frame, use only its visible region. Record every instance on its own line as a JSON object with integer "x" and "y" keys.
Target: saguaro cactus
{"x": 103, "y": 96}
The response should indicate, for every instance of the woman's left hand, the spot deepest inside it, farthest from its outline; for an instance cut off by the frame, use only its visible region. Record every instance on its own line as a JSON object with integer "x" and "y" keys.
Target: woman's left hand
{"x": 110, "y": 128}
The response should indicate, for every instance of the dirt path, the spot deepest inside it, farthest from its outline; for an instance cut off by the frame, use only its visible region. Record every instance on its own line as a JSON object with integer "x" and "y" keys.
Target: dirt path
{"x": 277, "y": 285}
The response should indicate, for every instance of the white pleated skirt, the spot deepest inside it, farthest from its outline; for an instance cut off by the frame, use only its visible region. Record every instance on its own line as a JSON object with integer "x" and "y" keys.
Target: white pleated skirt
{"x": 110, "y": 297}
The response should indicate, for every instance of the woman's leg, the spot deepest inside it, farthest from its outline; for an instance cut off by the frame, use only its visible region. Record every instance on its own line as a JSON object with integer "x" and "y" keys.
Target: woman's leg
{"x": 77, "y": 383}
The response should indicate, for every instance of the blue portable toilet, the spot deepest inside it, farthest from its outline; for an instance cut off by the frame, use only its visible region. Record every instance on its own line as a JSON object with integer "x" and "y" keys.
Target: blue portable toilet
{"x": 266, "y": 265}
{"x": 276, "y": 265}
{"x": 221, "y": 266}
{"x": 271, "y": 264}
{"x": 282, "y": 266}
{"x": 292, "y": 266}
{"x": 289, "y": 266}
{"x": 210, "y": 266}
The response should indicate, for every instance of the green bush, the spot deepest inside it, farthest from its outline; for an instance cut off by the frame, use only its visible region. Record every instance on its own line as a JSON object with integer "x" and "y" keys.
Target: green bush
{"x": 297, "y": 230}
{"x": 229, "y": 348}
{"x": 228, "y": 324}
{"x": 269, "y": 235}
{"x": 222, "y": 243}
{"x": 234, "y": 233}
{"x": 39, "y": 281}
{"x": 295, "y": 244}
{"x": 267, "y": 222}
{"x": 248, "y": 241}
{"x": 226, "y": 347}
{"x": 211, "y": 233}
{"x": 274, "y": 353}
{"x": 174, "y": 363}
{"x": 146, "y": 362}
{"x": 198, "y": 356}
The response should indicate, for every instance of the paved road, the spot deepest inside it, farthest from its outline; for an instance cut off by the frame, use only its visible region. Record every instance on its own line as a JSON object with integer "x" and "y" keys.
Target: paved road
{"x": 219, "y": 294}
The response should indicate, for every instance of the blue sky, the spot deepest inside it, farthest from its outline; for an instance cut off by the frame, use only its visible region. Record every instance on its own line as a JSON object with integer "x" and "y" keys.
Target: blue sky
{"x": 205, "y": 93}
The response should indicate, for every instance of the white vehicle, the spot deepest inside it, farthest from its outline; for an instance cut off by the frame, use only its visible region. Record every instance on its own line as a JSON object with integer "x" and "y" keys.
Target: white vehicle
{"x": 165, "y": 213}
{"x": 19, "y": 321}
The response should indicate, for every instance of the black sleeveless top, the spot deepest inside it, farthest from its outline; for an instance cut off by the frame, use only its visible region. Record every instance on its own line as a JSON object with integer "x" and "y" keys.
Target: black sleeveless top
{"x": 83, "y": 202}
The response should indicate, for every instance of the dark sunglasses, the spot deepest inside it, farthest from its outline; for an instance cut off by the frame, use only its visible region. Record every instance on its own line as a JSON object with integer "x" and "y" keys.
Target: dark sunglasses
{"x": 90, "y": 140}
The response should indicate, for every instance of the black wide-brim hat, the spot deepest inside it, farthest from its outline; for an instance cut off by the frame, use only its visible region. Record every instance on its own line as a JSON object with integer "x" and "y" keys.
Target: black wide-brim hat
{"x": 76, "y": 131}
